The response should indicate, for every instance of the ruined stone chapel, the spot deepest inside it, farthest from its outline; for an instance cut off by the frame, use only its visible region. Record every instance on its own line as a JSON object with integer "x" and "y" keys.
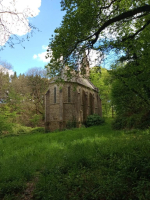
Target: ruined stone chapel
{"x": 72, "y": 100}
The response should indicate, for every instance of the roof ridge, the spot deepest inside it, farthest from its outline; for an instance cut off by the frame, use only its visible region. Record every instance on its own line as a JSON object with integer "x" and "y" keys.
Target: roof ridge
{"x": 92, "y": 84}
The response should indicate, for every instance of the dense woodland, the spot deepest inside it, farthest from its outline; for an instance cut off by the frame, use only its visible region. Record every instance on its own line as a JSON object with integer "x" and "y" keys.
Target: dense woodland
{"x": 22, "y": 98}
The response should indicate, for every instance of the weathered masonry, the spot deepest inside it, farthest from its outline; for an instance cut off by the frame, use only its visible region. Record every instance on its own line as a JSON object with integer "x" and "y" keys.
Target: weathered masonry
{"x": 74, "y": 100}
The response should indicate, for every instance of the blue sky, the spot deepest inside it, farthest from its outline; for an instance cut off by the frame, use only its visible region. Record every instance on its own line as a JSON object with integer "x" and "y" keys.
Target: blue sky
{"x": 49, "y": 18}
{"x": 33, "y": 55}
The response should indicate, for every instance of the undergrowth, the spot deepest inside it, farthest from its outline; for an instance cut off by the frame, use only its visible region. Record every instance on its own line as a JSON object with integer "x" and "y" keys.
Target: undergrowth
{"x": 95, "y": 163}
{"x": 17, "y": 129}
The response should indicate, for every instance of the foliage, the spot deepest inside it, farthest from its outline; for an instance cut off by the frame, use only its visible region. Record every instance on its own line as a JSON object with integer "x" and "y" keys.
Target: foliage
{"x": 130, "y": 94}
{"x": 101, "y": 78}
{"x": 24, "y": 94}
{"x": 6, "y": 119}
{"x": 93, "y": 163}
{"x": 19, "y": 130}
{"x": 118, "y": 25}
{"x": 98, "y": 25}
{"x": 35, "y": 120}
{"x": 8, "y": 124}
{"x": 38, "y": 84}
{"x": 4, "y": 83}
{"x": 13, "y": 129}
{"x": 94, "y": 120}
{"x": 38, "y": 130}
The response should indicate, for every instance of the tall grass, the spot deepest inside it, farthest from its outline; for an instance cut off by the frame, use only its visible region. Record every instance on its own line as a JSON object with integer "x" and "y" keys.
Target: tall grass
{"x": 88, "y": 163}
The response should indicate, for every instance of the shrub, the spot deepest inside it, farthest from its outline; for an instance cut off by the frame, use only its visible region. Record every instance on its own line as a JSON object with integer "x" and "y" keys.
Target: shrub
{"x": 94, "y": 120}
{"x": 119, "y": 123}
{"x": 35, "y": 120}
{"x": 38, "y": 130}
{"x": 131, "y": 122}
{"x": 19, "y": 129}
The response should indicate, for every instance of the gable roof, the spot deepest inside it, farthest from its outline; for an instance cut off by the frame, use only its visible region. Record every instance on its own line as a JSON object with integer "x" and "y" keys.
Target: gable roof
{"x": 76, "y": 78}
{"x": 80, "y": 80}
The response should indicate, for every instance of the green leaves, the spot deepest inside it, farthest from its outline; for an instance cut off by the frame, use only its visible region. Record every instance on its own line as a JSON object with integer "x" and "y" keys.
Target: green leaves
{"x": 87, "y": 24}
{"x": 6, "y": 119}
{"x": 131, "y": 96}
{"x": 94, "y": 120}
{"x": 101, "y": 78}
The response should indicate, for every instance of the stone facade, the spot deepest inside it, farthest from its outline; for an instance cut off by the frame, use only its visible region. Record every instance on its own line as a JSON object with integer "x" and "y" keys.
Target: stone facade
{"x": 72, "y": 101}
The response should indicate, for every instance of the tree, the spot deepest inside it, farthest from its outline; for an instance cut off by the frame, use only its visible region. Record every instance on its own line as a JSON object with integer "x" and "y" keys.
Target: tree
{"x": 101, "y": 78}
{"x": 104, "y": 25}
{"x": 14, "y": 21}
{"x": 26, "y": 96}
{"x": 100, "y": 25}
{"x": 18, "y": 93}
{"x": 37, "y": 84}
{"x": 4, "y": 85}
{"x": 5, "y": 68}
{"x": 131, "y": 96}
{"x": 23, "y": 96}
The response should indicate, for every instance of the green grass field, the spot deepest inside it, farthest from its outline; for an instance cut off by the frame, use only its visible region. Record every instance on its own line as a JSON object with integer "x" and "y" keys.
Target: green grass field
{"x": 95, "y": 163}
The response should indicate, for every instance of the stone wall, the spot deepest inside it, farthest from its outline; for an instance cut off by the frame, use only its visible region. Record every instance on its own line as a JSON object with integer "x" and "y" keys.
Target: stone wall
{"x": 61, "y": 108}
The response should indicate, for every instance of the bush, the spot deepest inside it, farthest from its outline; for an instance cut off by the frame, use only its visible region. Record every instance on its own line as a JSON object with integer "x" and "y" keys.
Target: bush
{"x": 35, "y": 120}
{"x": 19, "y": 129}
{"x": 119, "y": 123}
{"x": 131, "y": 122}
{"x": 5, "y": 126}
{"x": 94, "y": 120}
{"x": 38, "y": 130}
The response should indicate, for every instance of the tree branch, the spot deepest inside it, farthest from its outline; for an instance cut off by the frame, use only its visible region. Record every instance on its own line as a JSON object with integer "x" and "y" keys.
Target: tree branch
{"x": 118, "y": 18}
{"x": 141, "y": 29}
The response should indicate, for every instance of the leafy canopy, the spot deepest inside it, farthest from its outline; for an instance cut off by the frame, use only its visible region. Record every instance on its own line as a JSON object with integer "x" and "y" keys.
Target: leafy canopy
{"x": 101, "y": 78}
{"x": 97, "y": 24}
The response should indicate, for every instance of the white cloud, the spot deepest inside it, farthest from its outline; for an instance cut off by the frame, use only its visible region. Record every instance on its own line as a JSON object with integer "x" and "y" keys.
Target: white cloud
{"x": 10, "y": 72}
{"x": 5, "y": 70}
{"x": 35, "y": 56}
{"x": 42, "y": 56}
{"x": 17, "y": 23}
{"x": 94, "y": 58}
{"x": 44, "y": 47}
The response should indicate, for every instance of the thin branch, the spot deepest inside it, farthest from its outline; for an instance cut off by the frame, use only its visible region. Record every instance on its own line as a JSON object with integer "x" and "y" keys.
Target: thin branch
{"x": 141, "y": 29}
{"x": 108, "y": 6}
{"x": 118, "y": 18}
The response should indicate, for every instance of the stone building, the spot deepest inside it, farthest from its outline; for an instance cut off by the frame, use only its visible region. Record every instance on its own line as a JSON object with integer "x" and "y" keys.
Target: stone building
{"x": 71, "y": 101}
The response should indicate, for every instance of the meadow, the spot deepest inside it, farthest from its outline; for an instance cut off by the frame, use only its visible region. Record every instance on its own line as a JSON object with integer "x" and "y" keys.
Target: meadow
{"x": 95, "y": 163}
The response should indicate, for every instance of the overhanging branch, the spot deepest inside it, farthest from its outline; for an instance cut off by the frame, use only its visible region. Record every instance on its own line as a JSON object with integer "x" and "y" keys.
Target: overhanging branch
{"x": 143, "y": 9}
{"x": 141, "y": 29}
{"x": 118, "y": 18}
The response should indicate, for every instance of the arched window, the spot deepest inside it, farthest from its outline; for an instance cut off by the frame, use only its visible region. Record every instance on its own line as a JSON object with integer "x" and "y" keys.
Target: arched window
{"x": 54, "y": 94}
{"x": 69, "y": 96}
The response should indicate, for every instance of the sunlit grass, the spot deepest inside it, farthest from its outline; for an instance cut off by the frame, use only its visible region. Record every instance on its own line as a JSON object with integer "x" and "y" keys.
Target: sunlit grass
{"x": 87, "y": 163}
